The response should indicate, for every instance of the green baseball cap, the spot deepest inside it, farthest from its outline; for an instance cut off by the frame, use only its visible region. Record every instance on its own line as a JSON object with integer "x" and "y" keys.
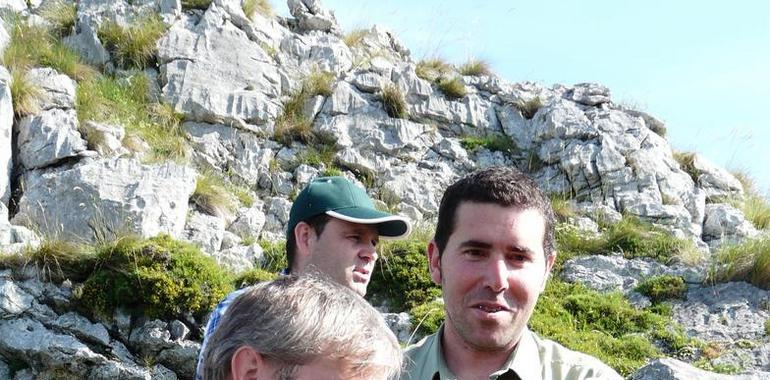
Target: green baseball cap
{"x": 341, "y": 199}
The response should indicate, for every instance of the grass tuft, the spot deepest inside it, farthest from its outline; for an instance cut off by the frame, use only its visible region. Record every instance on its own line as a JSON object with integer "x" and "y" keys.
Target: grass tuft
{"x": 61, "y": 15}
{"x": 212, "y": 196}
{"x": 254, "y": 7}
{"x": 529, "y": 107}
{"x": 354, "y": 37}
{"x": 493, "y": 141}
{"x": 393, "y": 101}
{"x": 132, "y": 46}
{"x": 454, "y": 88}
{"x": 432, "y": 69}
{"x": 273, "y": 256}
{"x": 562, "y": 206}
{"x": 124, "y": 102}
{"x": 663, "y": 288}
{"x": 475, "y": 67}
{"x": 754, "y": 206}
{"x": 196, "y": 4}
{"x": 293, "y": 124}
{"x": 25, "y": 95}
{"x": 54, "y": 260}
{"x": 686, "y": 161}
{"x": 747, "y": 261}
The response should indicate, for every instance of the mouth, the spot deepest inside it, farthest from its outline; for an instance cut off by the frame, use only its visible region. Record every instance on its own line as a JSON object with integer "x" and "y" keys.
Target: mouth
{"x": 489, "y": 307}
{"x": 361, "y": 274}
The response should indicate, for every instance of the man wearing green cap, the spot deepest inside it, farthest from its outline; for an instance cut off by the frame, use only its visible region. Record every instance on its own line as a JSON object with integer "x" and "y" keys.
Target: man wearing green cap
{"x": 333, "y": 229}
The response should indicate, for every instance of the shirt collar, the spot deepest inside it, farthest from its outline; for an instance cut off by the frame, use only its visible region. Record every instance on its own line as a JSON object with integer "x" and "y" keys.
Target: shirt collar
{"x": 524, "y": 360}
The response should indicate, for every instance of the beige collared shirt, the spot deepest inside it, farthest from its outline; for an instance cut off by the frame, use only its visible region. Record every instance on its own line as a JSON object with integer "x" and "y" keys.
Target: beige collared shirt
{"x": 533, "y": 359}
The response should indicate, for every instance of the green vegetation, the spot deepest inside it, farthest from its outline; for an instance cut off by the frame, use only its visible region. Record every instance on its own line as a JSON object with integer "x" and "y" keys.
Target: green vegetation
{"x": 663, "y": 288}
{"x": 252, "y": 277}
{"x": 393, "y": 101}
{"x": 160, "y": 276}
{"x": 212, "y": 196}
{"x": 25, "y": 95}
{"x": 475, "y": 67}
{"x": 321, "y": 154}
{"x": 274, "y": 256}
{"x": 767, "y": 327}
{"x": 454, "y": 88}
{"x": 332, "y": 172}
{"x": 293, "y": 124}
{"x": 354, "y": 37}
{"x": 747, "y": 261}
{"x": 54, "y": 260}
{"x": 196, "y": 4}
{"x": 529, "y": 107}
{"x": 132, "y": 46}
{"x": 124, "y": 102}
{"x": 432, "y": 69}
{"x": 61, "y": 15}
{"x": 493, "y": 141}
{"x": 254, "y": 7}
{"x": 605, "y": 325}
{"x": 686, "y": 161}
{"x": 631, "y": 237}
{"x": 754, "y": 206}
{"x": 427, "y": 317}
{"x": 562, "y": 206}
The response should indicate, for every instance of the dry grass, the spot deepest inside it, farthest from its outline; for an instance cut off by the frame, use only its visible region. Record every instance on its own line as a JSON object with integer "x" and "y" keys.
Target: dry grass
{"x": 529, "y": 107}
{"x": 453, "y": 88}
{"x": 475, "y": 67}
{"x": 24, "y": 94}
{"x": 432, "y": 69}
{"x": 61, "y": 15}
{"x": 132, "y": 46}
{"x": 394, "y": 103}
{"x": 254, "y": 7}
{"x": 354, "y": 37}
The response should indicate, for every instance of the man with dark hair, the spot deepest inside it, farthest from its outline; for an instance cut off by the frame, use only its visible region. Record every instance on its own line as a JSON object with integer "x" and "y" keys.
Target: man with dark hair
{"x": 492, "y": 253}
{"x": 301, "y": 328}
{"x": 333, "y": 229}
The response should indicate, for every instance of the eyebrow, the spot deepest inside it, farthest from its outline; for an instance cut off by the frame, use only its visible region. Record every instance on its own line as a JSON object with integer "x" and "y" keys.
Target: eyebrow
{"x": 485, "y": 245}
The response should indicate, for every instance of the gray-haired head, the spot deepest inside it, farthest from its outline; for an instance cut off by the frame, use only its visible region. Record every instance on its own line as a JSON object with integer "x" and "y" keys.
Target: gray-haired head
{"x": 293, "y": 321}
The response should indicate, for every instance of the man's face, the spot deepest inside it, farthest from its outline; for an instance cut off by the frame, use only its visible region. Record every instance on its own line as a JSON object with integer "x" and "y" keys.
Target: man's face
{"x": 345, "y": 252}
{"x": 492, "y": 272}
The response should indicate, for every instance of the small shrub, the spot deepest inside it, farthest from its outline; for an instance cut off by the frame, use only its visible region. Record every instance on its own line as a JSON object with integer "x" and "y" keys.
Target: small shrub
{"x": 132, "y": 46}
{"x": 427, "y": 317}
{"x": 25, "y": 95}
{"x": 54, "y": 260}
{"x": 61, "y": 15}
{"x": 475, "y": 67}
{"x": 354, "y": 37}
{"x": 493, "y": 141}
{"x": 663, "y": 288}
{"x": 529, "y": 107}
{"x": 454, "y": 88}
{"x": 686, "y": 161}
{"x": 274, "y": 256}
{"x": 316, "y": 156}
{"x": 393, "y": 101}
{"x": 161, "y": 277}
{"x": 604, "y": 325}
{"x": 747, "y": 261}
{"x": 253, "y": 7}
{"x": 402, "y": 279}
{"x": 432, "y": 69}
{"x": 252, "y": 277}
{"x": 212, "y": 197}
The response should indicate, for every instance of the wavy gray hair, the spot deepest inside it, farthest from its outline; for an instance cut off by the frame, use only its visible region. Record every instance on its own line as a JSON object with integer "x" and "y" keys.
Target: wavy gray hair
{"x": 295, "y": 320}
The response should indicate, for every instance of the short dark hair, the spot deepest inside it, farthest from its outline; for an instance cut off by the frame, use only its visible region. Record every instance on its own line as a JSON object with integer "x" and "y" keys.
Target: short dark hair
{"x": 317, "y": 222}
{"x": 503, "y": 186}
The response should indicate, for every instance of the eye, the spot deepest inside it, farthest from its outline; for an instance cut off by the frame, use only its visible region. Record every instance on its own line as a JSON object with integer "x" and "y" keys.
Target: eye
{"x": 474, "y": 253}
{"x": 354, "y": 238}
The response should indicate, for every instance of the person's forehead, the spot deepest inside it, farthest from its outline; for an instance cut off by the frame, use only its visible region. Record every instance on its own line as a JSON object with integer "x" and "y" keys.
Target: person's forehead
{"x": 355, "y": 227}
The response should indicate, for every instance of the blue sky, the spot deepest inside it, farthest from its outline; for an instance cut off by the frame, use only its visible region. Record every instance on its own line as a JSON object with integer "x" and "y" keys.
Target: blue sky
{"x": 701, "y": 66}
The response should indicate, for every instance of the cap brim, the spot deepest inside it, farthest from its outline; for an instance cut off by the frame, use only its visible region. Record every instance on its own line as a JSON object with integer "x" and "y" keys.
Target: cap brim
{"x": 389, "y": 226}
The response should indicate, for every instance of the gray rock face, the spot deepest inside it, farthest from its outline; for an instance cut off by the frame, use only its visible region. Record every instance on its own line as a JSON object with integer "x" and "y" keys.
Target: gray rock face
{"x": 48, "y": 138}
{"x": 401, "y": 325}
{"x": 151, "y": 338}
{"x": 208, "y": 81}
{"x": 58, "y": 90}
{"x": 311, "y": 15}
{"x": 725, "y": 222}
{"x": 724, "y": 312}
{"x": 6, "y": 128}
{"x": 13, "y": 300}
{"x": 182, "y": 358}
{"x": 108, "y": 139}
{"x": 590, "y": 94}
{"x": 107, "y": 196}
{"x": 672, "y": 369}
{"x": 86, "y": 43}
{"x": 83, "y": 329}
{"x": 715, "y": 181}
{"x": 205, "y": 231}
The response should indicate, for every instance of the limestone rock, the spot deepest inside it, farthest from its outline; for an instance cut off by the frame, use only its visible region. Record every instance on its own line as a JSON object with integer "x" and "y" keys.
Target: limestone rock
{"x": 58, "y": 90}
{"x": 13, "y": 300}
{"x": 6, "y": 129}
{"x": 400, "y": 324}
{"x": 205, "y": 231}
{"x": 311, "y": 15}
{"x": 590, "y": 94}
{"x": 715, "y": 181}
{"x": 240, "y": 258}
{"x": 108, "y": 196}
{"x": 83, "y": 329}
{"x": 106, "y": 139}
{"x": 723, "y": 221}
{"x": 48, "y": 138}
{"x": 672, "y": 369}
{"x": 249, "y": 222}
{"x": 151, "y": 338}
{"x": 86, "y": 43}
{"x": 182, "y": 358}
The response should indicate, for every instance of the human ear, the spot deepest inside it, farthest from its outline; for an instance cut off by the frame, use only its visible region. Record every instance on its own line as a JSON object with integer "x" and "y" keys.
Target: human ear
{"x": 303, "y": 234}
{"x": 549, "y": 260}
{"x": 434, "y": 262}
{"x": 247, "y": 364}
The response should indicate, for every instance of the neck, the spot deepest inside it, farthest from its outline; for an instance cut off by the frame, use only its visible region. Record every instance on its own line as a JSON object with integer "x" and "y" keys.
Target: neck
{"x": 468, "y": 362}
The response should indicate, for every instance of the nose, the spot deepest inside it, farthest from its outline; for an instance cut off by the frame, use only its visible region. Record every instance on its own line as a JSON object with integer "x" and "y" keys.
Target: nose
{"x": 368, "y": 252}
{"x": 496, "y": 276}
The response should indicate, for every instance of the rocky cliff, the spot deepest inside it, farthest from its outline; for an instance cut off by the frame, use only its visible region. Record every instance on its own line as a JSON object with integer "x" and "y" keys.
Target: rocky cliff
{"x": 208, "y": 134}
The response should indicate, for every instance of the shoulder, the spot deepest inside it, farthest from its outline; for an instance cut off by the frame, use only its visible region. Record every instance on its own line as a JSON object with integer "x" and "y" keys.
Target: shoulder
{"x": 573, "y": 364}
{"x": 419, "y": 358}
